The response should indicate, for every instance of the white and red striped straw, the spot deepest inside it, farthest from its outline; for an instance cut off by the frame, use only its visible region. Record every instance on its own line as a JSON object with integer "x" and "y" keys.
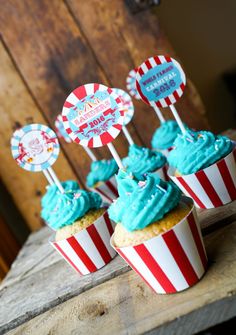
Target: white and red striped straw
{"x": 170, "y": 262}
{"x": 88, "y": 250}
{"x": 211, "y": 187}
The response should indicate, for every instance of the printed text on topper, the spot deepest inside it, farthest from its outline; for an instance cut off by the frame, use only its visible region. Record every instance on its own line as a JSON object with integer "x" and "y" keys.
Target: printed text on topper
{"x": 160, "y": 80}
{"x": 127, "y": 104}
{"x": 93, "y": 115}
{"x": 35, "y": 147}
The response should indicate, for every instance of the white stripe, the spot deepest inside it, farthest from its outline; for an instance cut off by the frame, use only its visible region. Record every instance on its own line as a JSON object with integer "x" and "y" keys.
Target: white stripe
{"x": 187, "y": 242}
{"x": 89, "y": 247}
{"x": 217, "y": 182}
{"x": 161, "y": 253}
{"x": 103, "y": 231}
{"x": 114, "y": 132}
{"x": 97, "y": 141}
{"x": 199, "y": 229}
{"x": 144, "y": 68}
{"x": 65, "y": 111}
{"x": 137, "y": 261}
{"x": 172, "y": 98}
{"x": 152, "y": 62}
{"x": 162, "y": 59}
{"x": 179, "y": 91}
{"x": 230, "y": 162}
{"x": 72, "y": 255}
{"x": 163, "y": 103}
{"x": 72, "y": 99}
{"x": 89, "y": 88}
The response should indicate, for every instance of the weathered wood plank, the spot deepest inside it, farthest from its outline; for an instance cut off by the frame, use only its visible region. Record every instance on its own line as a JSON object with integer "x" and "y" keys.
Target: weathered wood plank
{"x": 121, "y": 42}
{"x": 18, "y": 108}
{"x": 126, "y": 305}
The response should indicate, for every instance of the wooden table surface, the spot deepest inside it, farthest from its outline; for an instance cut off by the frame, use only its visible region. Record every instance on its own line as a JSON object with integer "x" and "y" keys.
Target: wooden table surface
{"x": 43, "y": 295}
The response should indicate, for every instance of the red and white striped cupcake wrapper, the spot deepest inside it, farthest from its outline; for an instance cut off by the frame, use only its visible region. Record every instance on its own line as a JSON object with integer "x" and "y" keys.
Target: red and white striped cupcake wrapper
{"x": 107, "y": 190}
{"x": 211, "y": 187}
{"x": 162, "y": 173}
{"x": 173, "y": 261}
{"x": 88, "y": 250}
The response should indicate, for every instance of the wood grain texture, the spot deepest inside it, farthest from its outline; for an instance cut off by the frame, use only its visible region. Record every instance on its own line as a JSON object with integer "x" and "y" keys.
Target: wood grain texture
{"x": 131, "y": 307}
{"x": 121, "y": 42}
{"x": 50, "y": 281}
{"x": 18, "y": 108}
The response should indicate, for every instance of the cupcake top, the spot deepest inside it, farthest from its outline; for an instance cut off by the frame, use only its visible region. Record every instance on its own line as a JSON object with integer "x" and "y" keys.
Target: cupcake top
{"x": 141, "y": 203}
{"x": 164, "y": 136}
{"x": 101, "y": 170}
{"x": 197, "y": 150}
{"x": 142, "y": 160}
{"x": 62, "y": 209}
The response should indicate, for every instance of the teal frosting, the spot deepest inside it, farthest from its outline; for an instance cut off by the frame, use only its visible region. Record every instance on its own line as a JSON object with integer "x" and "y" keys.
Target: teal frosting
{"x": 164, "y": 136}
{"x": 142, "y": 160}
{"x": 197, "y": 150}
{"x": 62, "y": 209}
{"x": 141, "y": 203}
{"x": 101, "y": 170}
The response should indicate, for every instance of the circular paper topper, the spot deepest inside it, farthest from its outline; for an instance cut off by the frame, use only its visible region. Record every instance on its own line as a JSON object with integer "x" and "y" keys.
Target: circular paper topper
{"x": 131, "y": 84}
{"x": 127, "y": 103}
{"x": 160, "y": 80}
{"x": 35, "y": 147}
{"x": 60, "y": 130}
{"x": 93, "y": 115}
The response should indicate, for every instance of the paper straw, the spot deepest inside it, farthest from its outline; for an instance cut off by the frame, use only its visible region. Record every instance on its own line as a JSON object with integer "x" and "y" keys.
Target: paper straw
{"x": 178, "y": 120}
{"x": 48, "y": 177}
{"x": 115, "y": 155}
{"x": 127, "y": 135}
{"x": 158, "y": 112}
{"x": 91, "y": 154}
{"x": 55, "y": 179}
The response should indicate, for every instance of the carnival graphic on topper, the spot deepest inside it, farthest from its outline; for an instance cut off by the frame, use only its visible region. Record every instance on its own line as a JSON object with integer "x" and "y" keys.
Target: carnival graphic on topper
{"x": 160, "y": 80}
{"x": 60, "y": 130}
{"x": 35, "y": 147}
{"x": 131, "y": 84}
{"x": 127, "y": 104}
{"x": 93, "y": 115}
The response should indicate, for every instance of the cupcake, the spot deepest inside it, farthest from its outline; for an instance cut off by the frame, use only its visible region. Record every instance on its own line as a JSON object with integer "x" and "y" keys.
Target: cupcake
{"x": 203, "y": 166}
{"x": 82, "y": 227}
{"x": 101, "y": 179}
{"x": 142, "y": 160}
{"x": 164, "y": 136}
{"x": 157, "y": 233}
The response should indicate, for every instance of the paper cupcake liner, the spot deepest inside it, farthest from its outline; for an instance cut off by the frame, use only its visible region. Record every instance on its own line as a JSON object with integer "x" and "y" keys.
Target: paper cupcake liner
{"x": 88, "y": 250}
{"x": 162, "y": 173}
{"x": 107, "y": 190}
{"x": 170, "y": 262}
{"x": 211, "y": 187}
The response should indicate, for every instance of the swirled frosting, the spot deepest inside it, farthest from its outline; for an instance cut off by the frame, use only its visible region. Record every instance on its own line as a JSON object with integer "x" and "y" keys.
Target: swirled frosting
{"x": 101, "y": 170}
{"x": 197, "y": 150}
{"x": 141, "y": 203}
{"x": 62, "y": 209}
{"x": 142, "y": 160}
{"x": 164, "y": 136}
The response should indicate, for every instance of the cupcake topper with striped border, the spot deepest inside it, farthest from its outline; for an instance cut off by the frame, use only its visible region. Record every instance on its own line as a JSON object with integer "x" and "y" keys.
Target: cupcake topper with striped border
{"x": 35, "y": 147}
{"x": 93, "y": 116}
{"x": 160, "y": 81}
{"x": 131, "y": 84}
{"x": 128, "y": 108}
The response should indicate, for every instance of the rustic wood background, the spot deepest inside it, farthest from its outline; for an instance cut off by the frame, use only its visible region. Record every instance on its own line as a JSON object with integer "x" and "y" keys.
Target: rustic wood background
{"x": 50, "y": 47}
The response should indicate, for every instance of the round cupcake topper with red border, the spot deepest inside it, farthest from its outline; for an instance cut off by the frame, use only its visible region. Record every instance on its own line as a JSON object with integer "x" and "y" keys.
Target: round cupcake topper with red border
{"x": 131, "y": 84}
{"x": 35, "y": 147}
{"x": 160, "y": 80}
{"x": 93, "y": 115}
{"x": 127, "y": 103}
{"x": 60, "y": 130}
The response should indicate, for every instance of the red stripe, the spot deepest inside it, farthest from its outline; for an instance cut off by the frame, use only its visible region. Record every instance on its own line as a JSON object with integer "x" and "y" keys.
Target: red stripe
{"x": 136, "y": 69}
{"x": 117, "y": 126}
{"x": 81, "y": 254}
{"x": 77, "y": 140}
{"x": 155, "y": 269}
{"x": 190, "y": 191}
{"x": 180, "y": 257}
{"x": 97, "y": 240}
{"x": 196, "y": 236}
{"x": 66, "y": 257}
{"x": 167, "y": 100}
{"x": 141, "y": 94}
{"x": 80, "y": 92}
{"x": 106, "y": 138}
{"x": 90, "y": 143}
{"x": 208, "y": 188}
{"x": 108, "y": 223}
{"x": 64, "y": 118}
{"x": 175, "y": 94}
{"x": 140, "y": 71}
{"x": 68, "y": 130}
{"x": 96, "y": 87}
{"x": 182, "y": 86}
{"x": 148, "y": 64}
{"x": 112, "y": 188}
{"x": 168, "y": 59}
{"x": 228, "y": 181}
{"x": 159, "y": 104}
{"x": 67, "y": 104}
{"x": 157, "y": 60}
{"x": 133, "y": 267}
{"x": 104, "y": 194}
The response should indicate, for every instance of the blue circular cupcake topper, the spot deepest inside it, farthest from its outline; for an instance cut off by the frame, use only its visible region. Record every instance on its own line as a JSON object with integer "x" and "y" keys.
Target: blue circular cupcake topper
{"x": 35, "y": 147}
{"x": 127, "y": 103}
